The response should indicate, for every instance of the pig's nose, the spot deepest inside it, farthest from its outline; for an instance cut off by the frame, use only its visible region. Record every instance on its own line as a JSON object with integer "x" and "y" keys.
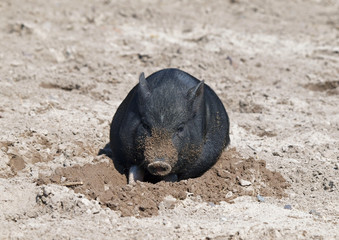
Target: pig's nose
{"x": 159, "y": 168}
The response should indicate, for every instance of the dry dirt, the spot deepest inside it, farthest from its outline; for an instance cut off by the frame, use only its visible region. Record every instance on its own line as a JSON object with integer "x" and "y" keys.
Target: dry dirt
{"x": 104, "y": 183}
{"x": 67, "y": 65}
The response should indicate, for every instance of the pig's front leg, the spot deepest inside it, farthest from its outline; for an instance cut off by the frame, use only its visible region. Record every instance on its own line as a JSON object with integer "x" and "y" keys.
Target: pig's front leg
{"x": 135, "y": 173}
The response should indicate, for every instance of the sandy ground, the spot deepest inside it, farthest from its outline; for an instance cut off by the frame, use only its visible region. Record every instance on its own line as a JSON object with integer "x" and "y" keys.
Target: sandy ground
{"x": 67, "y": 65}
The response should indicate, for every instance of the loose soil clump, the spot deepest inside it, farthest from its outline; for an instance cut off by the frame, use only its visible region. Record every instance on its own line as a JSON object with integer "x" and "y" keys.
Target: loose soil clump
{"x": 221, "y": 183}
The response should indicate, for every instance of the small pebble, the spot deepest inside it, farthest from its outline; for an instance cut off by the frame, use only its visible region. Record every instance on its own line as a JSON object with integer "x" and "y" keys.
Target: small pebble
{"x": 244, "y": 183}
{"x": 260, "y": 198}
{"x": 229, "y": 194}
{"x": 287, "y": 206}
{"x": 169, "y": 202}
{"x": 44, "y": 132}
{"x": 314, "y": 212}
{"x": 276, "y": 154}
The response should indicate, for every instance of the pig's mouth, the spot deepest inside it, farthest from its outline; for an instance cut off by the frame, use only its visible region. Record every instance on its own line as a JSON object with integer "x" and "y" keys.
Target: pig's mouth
{"x": 159, "y": 168}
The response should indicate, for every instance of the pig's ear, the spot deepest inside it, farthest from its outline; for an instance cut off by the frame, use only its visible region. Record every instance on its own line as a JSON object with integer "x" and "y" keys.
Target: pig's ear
{"x": 196, "y": 95}
{"x": 144, "y": 91}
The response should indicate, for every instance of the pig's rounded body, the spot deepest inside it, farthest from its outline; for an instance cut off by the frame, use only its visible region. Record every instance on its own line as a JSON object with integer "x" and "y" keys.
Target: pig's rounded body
{"x": 170, "y": 126}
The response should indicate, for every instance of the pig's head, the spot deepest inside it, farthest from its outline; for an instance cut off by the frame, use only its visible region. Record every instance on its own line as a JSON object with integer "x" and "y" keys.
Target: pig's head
{"x": 172, "y": 123}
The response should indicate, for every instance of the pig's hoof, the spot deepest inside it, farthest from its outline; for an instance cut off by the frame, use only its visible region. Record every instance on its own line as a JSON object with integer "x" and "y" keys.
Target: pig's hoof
{"x": 136, "y": 173}
{"x": 159, "y": 168}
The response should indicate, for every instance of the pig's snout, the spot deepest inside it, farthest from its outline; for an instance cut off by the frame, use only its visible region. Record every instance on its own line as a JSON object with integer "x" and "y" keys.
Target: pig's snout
{"x": 159, "y": 168}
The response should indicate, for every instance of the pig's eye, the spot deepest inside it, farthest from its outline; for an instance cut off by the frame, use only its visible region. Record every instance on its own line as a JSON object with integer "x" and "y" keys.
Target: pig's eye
{"x": 146, "y": 127}
{"x": 180, "y": 128}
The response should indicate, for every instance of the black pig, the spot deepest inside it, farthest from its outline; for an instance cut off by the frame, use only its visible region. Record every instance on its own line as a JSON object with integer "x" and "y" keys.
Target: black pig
{"x": 171, "y": 126}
